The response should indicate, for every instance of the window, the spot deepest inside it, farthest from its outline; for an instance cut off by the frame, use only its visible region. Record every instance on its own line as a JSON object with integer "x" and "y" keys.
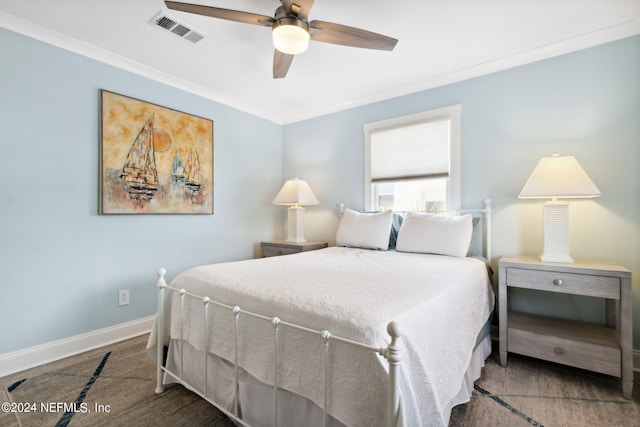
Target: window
{"x": 412, "y": 163}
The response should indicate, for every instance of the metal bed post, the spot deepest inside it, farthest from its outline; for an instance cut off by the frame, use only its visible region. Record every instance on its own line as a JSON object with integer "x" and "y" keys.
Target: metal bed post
{"x": 206, "y": 301}
{"x": 182, "y": 293}
{"x": 393, "y": 356}
{"x": 236, "y": 387}
{"x": 325, "y": 359}
{"x": 275, "y": 322}
{"x": 487, "y": 220}
{"x": 160, "y": 323}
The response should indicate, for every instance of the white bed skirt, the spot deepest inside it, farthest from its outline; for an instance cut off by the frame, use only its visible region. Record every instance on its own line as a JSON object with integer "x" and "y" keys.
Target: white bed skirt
{"x": 256, "y": 399}
{"x": 474, "y": 370}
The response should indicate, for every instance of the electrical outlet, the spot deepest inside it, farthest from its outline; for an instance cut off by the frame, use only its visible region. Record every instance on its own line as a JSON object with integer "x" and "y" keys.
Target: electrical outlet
{"x": 123, "y": 297}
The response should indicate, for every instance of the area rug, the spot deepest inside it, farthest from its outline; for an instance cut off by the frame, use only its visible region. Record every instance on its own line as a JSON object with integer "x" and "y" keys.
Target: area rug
{"x": 530, "y": 392}
{"x": 111, "y": 387}
{"x": 114, "y": 386}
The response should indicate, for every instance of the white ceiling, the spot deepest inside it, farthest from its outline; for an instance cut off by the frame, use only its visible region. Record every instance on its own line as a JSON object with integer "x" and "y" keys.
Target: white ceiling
{"x": 440, "y": 42}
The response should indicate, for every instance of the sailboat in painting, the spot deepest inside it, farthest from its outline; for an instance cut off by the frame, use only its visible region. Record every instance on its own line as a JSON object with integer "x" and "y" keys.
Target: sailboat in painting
{"x": 177, "y": 168}
{"x": 193, "y": 175}
{"x": 139, "y": 172}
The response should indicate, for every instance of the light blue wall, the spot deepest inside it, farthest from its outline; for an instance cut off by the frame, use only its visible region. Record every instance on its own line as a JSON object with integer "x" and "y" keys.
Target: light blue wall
{"x": 62, "y": 263}
{"x": 586, "y": 104}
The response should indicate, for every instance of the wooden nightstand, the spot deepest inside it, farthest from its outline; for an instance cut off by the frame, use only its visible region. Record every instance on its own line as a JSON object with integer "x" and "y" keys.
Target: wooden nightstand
{"x": 600, "y": 348}
{"x": 282, "y": 247}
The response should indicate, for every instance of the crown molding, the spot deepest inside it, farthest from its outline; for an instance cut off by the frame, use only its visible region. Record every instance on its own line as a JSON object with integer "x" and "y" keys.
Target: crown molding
{"x": 54, "y": 38}
{"x": 583, "y": 41}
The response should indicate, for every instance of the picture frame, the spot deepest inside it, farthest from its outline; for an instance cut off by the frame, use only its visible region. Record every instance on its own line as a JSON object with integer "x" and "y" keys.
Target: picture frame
{"x": 153, "y": 159}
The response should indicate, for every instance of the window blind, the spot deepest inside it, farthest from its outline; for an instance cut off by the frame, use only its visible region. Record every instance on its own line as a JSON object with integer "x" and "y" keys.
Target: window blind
{"x": 415, "y": 151}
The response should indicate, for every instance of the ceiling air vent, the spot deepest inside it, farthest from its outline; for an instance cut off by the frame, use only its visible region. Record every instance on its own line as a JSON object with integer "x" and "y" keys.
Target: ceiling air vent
{"x": 169, "y": 23}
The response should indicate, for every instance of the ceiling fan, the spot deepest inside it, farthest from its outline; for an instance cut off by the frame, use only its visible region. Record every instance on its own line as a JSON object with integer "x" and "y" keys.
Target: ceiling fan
{"x": 291, "y": 30}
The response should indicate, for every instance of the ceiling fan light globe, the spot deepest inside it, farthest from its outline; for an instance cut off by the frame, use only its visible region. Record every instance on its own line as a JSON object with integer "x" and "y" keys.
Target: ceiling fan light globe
{"x": 290, "y": 39}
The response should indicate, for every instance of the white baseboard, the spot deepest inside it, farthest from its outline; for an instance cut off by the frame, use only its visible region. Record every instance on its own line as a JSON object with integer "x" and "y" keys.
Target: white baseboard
{"x": 45, "y": 353}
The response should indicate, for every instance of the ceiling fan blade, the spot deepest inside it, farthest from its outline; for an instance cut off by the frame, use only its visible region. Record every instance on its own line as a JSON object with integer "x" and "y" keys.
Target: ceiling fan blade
{"x": 281, "y": 64}
{"x": 304, "y": 6}
{"x": 350, "y": 36}
{"x": 216, "y": 12}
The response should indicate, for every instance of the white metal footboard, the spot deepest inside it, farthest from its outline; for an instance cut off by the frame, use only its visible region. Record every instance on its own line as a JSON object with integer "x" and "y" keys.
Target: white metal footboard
{"x": 391, "y": 352}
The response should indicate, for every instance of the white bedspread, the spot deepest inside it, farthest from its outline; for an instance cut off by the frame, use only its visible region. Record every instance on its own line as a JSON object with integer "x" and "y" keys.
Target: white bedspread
{"x": 440, "y": 303}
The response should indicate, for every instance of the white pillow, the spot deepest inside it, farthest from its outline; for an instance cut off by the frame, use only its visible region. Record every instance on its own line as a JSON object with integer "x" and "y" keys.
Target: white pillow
{"x": 364, "y": 230}
{"x": 435, "y": 234}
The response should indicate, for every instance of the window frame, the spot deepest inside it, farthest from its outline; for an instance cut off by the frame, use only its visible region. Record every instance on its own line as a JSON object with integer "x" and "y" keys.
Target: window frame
{"x": 451, "y": 113}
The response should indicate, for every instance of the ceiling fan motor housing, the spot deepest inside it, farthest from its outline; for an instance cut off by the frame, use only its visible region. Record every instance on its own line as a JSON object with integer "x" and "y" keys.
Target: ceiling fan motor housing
{"x": 290, "y": 20}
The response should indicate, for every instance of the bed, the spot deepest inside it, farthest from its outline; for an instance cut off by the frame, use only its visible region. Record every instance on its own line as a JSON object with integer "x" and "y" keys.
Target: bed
{"x": 381, "y": 329}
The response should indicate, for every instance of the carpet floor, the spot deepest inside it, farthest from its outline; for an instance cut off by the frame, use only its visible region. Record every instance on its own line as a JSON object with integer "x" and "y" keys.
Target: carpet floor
{"x": 114, "y": 386}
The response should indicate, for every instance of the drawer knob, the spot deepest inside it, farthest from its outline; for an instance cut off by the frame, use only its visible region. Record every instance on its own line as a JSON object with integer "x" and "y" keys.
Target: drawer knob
{"x": 558, "y": 282}
{"x": 558, "y": 350}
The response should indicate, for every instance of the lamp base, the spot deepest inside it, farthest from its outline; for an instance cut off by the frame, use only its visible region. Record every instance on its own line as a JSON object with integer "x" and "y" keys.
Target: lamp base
{"x": 296, "y": 225}
{"x": 556, "y": 258}
{"x": 556, "y": 232}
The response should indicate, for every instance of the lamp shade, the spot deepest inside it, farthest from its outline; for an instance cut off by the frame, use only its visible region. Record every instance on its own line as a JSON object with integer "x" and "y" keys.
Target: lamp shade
{"x": 558, "y": 176}
{"x": 295, "y": 192}
{"x": 553, "y": 177}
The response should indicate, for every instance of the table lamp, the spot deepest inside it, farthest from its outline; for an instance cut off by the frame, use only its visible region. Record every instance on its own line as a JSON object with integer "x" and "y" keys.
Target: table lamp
{"x": 295, "y": 193}
{"x": 557, "y": 177}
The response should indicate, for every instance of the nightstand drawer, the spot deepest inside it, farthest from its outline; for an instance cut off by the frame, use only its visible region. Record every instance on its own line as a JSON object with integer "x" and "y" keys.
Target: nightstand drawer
{"x": 568, "y": 283}
{"x": 584, "y": 355}
{"x": 268, "y": 251}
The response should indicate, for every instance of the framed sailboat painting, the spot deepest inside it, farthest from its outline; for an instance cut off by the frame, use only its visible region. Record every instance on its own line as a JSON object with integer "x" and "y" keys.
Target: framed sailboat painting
{"x": 154, "y": 160}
